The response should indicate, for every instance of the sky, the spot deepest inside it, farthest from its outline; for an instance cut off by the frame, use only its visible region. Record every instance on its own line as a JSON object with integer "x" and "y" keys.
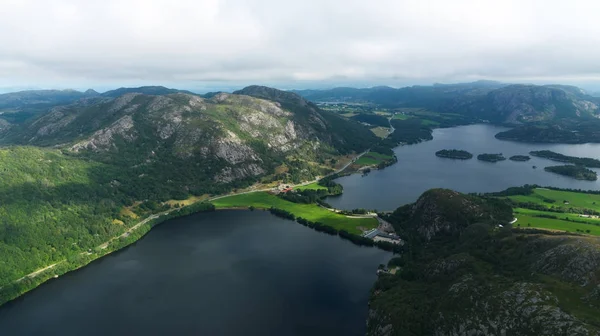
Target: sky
{"x": 208, "y": 45}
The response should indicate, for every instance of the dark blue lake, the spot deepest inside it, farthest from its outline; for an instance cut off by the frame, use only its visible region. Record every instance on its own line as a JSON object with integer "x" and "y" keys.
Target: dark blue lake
{"x": 418, "y": 169}
{"x": 222, "y": 273}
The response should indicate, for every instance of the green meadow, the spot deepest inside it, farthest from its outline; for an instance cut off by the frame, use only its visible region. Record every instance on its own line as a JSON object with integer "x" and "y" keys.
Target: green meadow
{"x": 565, "y": 204}
{"x": 311, "y": 212}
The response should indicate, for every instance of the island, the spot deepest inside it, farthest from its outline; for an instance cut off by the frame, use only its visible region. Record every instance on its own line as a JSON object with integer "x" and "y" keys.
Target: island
{"x": 550, "y": 155}
{"x": 576, "y": 172}
{"x": 519, "y": 158}
{"x": 454, "y": 154}
{"x": 491, "y": 157}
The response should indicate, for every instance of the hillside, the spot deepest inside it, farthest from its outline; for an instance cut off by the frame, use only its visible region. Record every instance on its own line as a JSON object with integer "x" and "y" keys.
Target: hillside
{"x": 466, "y": 276}
{"x": 82, "y": 173}
{"x": 496, "y": 102}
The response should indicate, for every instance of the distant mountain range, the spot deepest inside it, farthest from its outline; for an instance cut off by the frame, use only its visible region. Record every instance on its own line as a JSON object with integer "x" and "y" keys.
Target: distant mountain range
{"x": 16, "y": 107}
{"x": 485, "y": 100}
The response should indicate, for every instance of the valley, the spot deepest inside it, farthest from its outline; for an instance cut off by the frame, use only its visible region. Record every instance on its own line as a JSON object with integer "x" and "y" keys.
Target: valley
{"x": 98, "y": 174}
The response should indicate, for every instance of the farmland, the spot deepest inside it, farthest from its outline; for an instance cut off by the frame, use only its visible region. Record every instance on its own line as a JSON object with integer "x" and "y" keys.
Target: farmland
{"x": 558, "y": 210}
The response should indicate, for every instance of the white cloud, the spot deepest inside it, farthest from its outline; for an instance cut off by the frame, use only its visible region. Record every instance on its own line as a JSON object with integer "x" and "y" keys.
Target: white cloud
{"x": 181, "y": 41}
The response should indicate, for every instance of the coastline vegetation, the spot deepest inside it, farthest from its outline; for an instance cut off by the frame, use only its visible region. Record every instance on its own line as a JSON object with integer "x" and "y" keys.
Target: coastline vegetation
{"x": 491, "y": 157}
{"x": 576, "y": 172}
{"x": 521, "y": 158}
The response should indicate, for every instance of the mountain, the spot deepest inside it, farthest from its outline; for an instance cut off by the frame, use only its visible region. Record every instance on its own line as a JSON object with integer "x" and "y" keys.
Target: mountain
{"x": 148, "y": 90}
{"x": 412, "y": 96}
{"x": 531, "y": 103}
{"x": 484, "y": 100}
{"x": 16, "y": 107}
{"x": 247, "y": 135}
{"x": 465, "y": 275}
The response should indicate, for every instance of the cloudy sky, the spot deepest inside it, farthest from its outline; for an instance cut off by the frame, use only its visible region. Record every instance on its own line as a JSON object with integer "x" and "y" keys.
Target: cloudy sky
{"x": 293, "y": 44}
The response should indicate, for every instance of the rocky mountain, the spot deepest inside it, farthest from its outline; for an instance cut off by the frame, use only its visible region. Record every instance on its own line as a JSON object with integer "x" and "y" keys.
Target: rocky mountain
{"x": 465, "y": 275}
{"x": 226, "y": 138}
{"x": 518, "y": 104}
{"x": 484, "y": 100}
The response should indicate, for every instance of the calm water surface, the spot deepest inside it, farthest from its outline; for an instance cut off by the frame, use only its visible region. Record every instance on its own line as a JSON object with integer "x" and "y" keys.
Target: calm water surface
{"x": 418, "y": 169}
{"x": 223, "y": 273}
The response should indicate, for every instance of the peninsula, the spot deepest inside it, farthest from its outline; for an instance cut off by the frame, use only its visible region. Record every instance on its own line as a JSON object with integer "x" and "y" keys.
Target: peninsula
{"x": 576, "y": 172}
{"x": 550, "y": 155}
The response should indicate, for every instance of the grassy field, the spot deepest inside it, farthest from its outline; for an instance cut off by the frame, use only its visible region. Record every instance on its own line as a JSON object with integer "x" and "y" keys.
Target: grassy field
{"x": 559, "y": 215}
{"x": 312, "y": 212}
{"x": 401, "y": 116}
{"x": 381, "y": 132}
{"x": 525, "y": 221}
{"x": 564, "y": 221}
{"x": 312, "y": 186}
{"x": 372, "y": 158}
{"x": 575, "y": 200}
{"x": 348, "y": 114}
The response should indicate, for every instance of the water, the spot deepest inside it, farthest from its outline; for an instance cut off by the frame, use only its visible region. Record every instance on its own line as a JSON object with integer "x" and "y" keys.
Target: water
{"x": 223, "y": 273}
{"x": 418, "y": 169}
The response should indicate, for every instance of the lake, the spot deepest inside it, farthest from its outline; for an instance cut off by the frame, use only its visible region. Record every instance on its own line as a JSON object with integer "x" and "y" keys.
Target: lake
{"x": 221, "y": 273}
{"x": 418, "y": 169}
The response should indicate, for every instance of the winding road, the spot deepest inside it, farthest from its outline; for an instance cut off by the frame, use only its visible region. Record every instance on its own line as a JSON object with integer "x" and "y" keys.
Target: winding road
{"x": 154, "y": 216}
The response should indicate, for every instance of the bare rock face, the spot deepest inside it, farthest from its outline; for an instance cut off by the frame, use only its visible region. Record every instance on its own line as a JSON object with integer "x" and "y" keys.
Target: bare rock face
{"x": 103, "y": 138}
{"x": 230, "y": 174}
{"x": 234, "y": 152}
{"x": 4, "y": 125}
{"x": 521, "y": 309}
{"x": 577, "y": 261}
{"x": 122, "y": 102}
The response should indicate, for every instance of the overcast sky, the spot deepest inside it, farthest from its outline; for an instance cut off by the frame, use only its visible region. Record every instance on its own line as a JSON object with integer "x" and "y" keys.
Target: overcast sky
{"x": 301, "y": 43}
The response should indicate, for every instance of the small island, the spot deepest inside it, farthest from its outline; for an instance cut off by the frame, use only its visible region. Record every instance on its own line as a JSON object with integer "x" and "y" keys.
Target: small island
{"x": 582, "y": 161}
{"x": 519, "y": 158}
{"x": 491, "y": 157}
{"x": 576, "y": 172}
{"x": 454, "y": 154}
